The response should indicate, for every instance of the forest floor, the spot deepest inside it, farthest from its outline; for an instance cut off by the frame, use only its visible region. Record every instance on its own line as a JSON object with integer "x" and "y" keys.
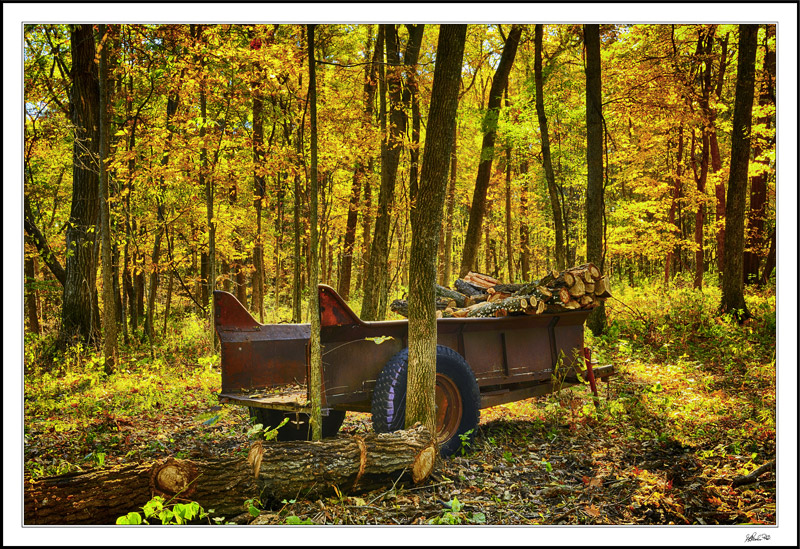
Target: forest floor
{"x": 691, "y": 409}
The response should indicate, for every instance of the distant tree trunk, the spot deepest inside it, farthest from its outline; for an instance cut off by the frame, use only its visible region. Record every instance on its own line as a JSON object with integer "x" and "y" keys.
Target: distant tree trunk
{"x": 732, "y": 279}
{"x": 350, "y": 232}
{"x": 297, "y": 285}
{"x": 524, "y": 233}
{"x": 109, "y": 301}
{"x": 676, "y": 194}
{"x": 259, "y": 201}
{"x": 699, "y": 216}
{"x": 594, "y": 163}
{"x": 489, "y": 128}
{"x": 755, "y": 237}
{"x": 552, "y": 190}
{"x": 716, "y": 160}
{"x": 172, "y": 108}
{"x": 705, "y": 43}
{"x": 450, "y": 202}
{"x": 315, "y": 350}
{"x": 426, "y": 217}
{"x": 31, "y": 295}
{"x": 376, "y": 288}
{"x": 78, "y": 320}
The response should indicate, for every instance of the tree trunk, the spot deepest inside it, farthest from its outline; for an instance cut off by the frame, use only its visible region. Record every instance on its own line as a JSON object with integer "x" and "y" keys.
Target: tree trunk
{"x": 509, "y": 232}
{"x": 594, "y": 164}
{"x": 78, "y": 303}
{"x": 524, "y": 233}
{"x": 376, "y": 287}
{"x": 755, "y": 238}
{"x": 272, "y": 472}
{"x": 489, "y": 128}
{"x": 315, "y": 350}
{"x": 296, "y": 282}
{"x": 732, "y": 279}
{"x": 552, "y": 190}
{"x": 676, "y": 194}
{"x": 260, "y": 198}
{"x": 716, "y": 160}
{"x": 31, "y": 295}
{"x": 350, "y": 232}
{"x": 450, "y": 202}
{"x": 109, "y": 301}
{"x": 426, "y": 217}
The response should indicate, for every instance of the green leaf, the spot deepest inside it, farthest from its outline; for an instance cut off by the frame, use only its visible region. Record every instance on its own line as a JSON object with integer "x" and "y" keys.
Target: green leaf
{"x": 479, "y": 518}
{"x": 132, "y": 518}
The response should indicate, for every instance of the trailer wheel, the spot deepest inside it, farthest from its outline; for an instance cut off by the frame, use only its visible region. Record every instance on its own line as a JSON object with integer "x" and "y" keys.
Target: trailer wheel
{"x": 299, "y": 425}
{"x": 457, "y": 398}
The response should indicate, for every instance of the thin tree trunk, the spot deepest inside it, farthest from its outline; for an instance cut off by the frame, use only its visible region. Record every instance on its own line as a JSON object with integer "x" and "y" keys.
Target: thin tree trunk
{"x": 31, "y": 295}
{"x": 350, "y": 232}
{"x": 755, "y": 238}
{"x": 552, "y": 190}
{"x": 296, "y": 282}
{"x": 109, "y": 301}
{"x": 489, "y": 128}
{"x": 450, "y": 202}
{"x": 376, "y": 287}
{"x": 260, "y": 199}
{"x": 732, "y": 279}
{"x": 716, "y": 161}
{"x": 524, "y": 233}
{"x": 315, "y": 350}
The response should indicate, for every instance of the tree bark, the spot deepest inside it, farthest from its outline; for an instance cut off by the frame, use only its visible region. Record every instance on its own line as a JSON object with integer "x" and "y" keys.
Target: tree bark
{"x": 272, "y": 472}
{"x": 315, "y": 350}
{"x": 552, "y": 190}
{"x": 426, "y": 218}
{"x": 509, "y": 232}
{"x": 260, "y": 198}
{"x": 594, "y": 163}
{"x": 109, "y": 301}
{"x": 755, "y": 237}
{"x": 376, "y": 286}
{"x": 732, "y": 279}
{"x": 489, "y": 128}
{"x": 31, "y": 295}
{"x": 77, "y": 313}
{"x": 447, "y": 253}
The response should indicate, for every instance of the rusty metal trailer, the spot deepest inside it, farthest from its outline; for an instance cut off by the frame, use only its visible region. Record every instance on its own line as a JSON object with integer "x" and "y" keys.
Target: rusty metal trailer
{"x": 481, "y": 362}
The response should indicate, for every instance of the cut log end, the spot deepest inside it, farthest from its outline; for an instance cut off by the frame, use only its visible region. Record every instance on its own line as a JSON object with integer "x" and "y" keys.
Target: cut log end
{"x": 423, "y": 464}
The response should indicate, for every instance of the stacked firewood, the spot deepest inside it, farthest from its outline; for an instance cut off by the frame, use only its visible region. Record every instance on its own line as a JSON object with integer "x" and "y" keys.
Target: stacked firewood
{"x": 479, "y": 295}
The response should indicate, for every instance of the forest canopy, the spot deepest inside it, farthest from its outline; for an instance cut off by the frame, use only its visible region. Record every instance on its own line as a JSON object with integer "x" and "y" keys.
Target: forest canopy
{"x": 208, "y": 157}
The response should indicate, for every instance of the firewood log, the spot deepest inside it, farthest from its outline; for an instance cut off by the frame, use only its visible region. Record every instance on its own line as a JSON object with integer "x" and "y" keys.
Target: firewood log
{"x": 458, "y": 297}
{"x": 467, "y": 288}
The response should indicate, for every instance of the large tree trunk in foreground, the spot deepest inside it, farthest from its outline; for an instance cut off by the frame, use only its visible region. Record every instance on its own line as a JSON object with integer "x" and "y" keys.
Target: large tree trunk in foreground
{"x": 426, "y": 220}
{"x": 594, "y": 164}
{"x": 78, "y": 319}
{"x": 273, "y": 471}
{"x": 732, "y": 279}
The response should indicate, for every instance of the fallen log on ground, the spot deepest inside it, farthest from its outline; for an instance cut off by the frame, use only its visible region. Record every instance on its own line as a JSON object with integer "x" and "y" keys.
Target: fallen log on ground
{"x": 272, "y": 471}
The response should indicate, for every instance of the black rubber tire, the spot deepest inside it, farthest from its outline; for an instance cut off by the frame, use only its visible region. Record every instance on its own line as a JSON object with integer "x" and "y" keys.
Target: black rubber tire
{"x": 299, "y": 426}
{"x": 389, "y": 396}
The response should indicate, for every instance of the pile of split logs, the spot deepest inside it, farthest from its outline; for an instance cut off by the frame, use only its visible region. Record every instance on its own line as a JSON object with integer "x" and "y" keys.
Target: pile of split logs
{"x": 478, "y": 295}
